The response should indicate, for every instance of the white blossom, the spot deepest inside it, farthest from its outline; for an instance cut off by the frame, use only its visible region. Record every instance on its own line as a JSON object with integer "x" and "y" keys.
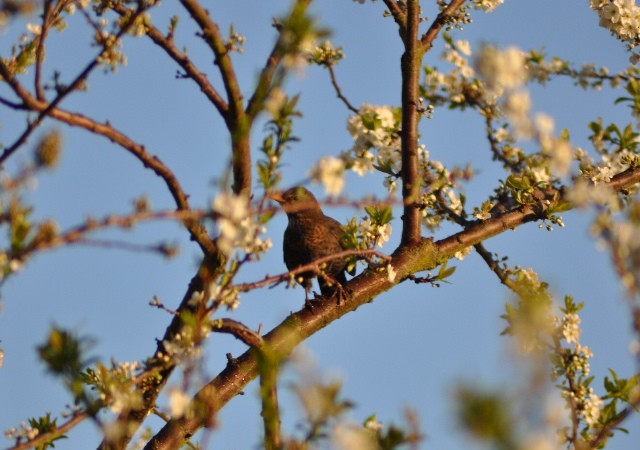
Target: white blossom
{"x": 592, "y": 405}
{"x": 349, "y": 437}
{"x": 376, "y": 134}
{"x": 487, "y": 5}
{"x": 391, "y": 273}
{"x": 621, "y": 17}
{"x": 237, "y": 225}
{"x": 178, "y": 402}
{"x": 502, "y": 69}
{"x": 330, "y": 172}
{"x": 583, "y": 194}
{"x": 34, "y": 28}
{"x": 571, "y": 327}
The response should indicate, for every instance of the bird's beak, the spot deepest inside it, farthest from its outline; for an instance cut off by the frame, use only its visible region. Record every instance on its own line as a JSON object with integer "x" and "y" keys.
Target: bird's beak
{"x": 277, "y": 196}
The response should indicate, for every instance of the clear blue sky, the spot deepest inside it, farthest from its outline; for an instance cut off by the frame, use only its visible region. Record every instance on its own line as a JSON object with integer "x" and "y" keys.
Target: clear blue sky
{"x": 409, "y": 347}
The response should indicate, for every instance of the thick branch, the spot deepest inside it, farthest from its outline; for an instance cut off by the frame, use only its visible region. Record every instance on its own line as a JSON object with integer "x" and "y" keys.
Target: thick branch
{"x": 407, "y": 260}
{"x": 443, "y": 18}
{"x": 285, "y": 337}
{"x": 151, "y": 387}
{"x": 236, "y": 118}
{"x": 410, "y": 63}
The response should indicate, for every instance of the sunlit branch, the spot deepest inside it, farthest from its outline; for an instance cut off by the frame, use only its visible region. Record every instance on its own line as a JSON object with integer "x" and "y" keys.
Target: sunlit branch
{"x": 79, "y": 233}
{"x": 238, "y": 330}
{"x": 411, "y": 62}
{"x": 442, "y": 20}
{"x": 198, "y": 232}
{"x": 236, "y": 118}
{"x": 424, "y": 255}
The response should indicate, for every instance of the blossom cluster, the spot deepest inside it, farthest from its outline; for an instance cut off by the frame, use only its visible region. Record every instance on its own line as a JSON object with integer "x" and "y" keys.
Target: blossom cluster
{"x": 330, "y": 172}
{"x": 621, "y": 17}
{"x": 502, "y": 69}
{"x": 376, "y": 135}
{"x": 238, "y": 226}
{"x": 25, "y": 431}
{"x": 326, "y": 54}
{"x": 487, "y": 5}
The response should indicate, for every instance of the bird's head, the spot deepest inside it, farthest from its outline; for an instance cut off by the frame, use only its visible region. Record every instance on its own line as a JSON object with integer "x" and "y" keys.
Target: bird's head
{"x": 296, "y": 199}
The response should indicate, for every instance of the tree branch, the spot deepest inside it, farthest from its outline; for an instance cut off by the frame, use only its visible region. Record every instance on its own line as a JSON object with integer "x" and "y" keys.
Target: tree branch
{"x": 236, "y": 119}
{"x": 423, "y": 255}
{"x": 398, "y": 15}
{"x": 184, "y": 62}
{"x": 443, "y": 18}
{"x": 45, "y": 110}
{"x": 339, "y": 93}
{"x": 44, "y": 31}
{"x": 198, "y": 232}
{"x": 410, "y": 63}
{"x": 48, "y": 436}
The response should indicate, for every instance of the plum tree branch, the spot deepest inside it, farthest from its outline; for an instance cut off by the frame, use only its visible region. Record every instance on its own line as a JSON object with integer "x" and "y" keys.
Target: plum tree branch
{"x": 181, "y": 58}
{"x": 410, "y": 64}
{"x": 441, "y": 20}
{"x": 45, "y": 111}
{"x": 406, "y": 260}
{"x": 197, "y": 230}
{"x": 236, "y": 118}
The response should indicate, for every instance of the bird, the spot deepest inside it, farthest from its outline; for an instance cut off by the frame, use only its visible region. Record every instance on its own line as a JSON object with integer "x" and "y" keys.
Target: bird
{"x": 309, "y": 236}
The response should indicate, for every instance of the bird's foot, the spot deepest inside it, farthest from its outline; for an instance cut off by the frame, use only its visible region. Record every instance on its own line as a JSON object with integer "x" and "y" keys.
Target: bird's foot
{"x": 308, "y": 304}
{"x": 342, "y": 294}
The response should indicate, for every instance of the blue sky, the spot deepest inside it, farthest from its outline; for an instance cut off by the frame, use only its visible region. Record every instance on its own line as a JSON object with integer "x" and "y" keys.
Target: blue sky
{"x": 411, "y": 346}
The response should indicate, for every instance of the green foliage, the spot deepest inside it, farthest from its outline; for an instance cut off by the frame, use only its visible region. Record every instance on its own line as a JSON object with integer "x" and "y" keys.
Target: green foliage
{"x": 322, "y": 404}
{"x": 444, "y": 272}
{"x": 65, "y": 355}
{"x": 487, "y": 416}
{"x": 45, "y": 425}
{"x": 279, "y": 136}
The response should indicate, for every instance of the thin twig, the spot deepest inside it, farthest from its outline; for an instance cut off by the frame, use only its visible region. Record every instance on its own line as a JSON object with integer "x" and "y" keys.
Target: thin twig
{"x": 50, "y": 435}
{"x": 239, "y": 330}
{"x": 314, "y": 266}
{"x": 44, "y": 31}
{"x": 180, "y": 57}
{"x": 339, "y": 93}
{"x": 443, "y": 18}
{"x": 47, "y": 108}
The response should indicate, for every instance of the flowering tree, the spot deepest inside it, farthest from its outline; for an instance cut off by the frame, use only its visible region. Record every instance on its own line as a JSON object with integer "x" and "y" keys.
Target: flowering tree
{"x": 544, "y": 175}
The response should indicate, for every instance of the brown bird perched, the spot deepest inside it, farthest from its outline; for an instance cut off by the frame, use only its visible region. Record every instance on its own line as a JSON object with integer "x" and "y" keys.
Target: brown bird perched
{"x": 310, "y": 236}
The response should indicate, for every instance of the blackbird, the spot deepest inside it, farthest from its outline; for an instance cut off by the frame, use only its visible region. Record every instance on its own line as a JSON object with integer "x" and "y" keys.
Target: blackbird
{"x": 310, "y": 236}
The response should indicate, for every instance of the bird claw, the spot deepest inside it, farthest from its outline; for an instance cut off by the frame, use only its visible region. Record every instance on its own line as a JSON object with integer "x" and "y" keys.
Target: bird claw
{"x": 308, "y": 304}
{"x": 342, "y": 294}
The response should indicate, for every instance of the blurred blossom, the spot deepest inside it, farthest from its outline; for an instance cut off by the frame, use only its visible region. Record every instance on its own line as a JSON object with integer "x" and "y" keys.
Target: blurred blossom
{"x": 238, "y": 226}
{"x": 487, "y": 5}
{"x": 330, "y": 173}
{"x": 502, "y": 69}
